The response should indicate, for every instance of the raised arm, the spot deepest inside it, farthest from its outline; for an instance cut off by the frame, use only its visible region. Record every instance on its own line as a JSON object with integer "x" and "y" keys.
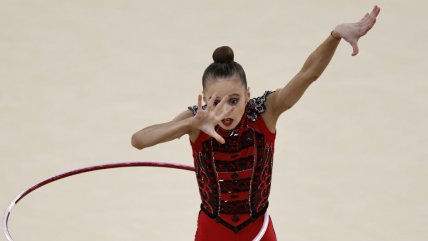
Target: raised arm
{"x": 284, "y": 98}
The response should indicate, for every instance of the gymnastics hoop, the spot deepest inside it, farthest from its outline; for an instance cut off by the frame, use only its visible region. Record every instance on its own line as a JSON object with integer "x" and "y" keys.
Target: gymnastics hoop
{"x": 101, "y": 167}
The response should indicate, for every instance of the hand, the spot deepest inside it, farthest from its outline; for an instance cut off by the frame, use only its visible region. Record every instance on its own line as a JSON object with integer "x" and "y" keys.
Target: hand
{"x": 351, "y": 32}
{"x": 206, "y": 120}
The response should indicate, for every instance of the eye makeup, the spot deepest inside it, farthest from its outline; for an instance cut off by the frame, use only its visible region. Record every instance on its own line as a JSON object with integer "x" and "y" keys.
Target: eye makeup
{"x": 233, "y": 100}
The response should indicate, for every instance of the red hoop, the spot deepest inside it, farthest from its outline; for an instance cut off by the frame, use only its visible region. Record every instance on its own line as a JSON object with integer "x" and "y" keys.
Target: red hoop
{"x": 100, "y": 167}
{"x": 79, "y": 171}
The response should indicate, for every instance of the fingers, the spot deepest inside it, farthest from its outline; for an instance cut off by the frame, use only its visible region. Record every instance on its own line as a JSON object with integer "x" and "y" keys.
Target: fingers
{"x": 369, "y": 22}
{"x": 365, "y": 24}
{"x": 218, "y": 137}
{"x": 369, "y": 18}
{"x": 369, "y": 26}
{"x": 211, "y": 101}
{"x": 375, "y": 12}
{"x": 228, "y": 112}
{"x": 219, "y": 108}
{"x": 220, "y": 105}
{"x": 366, "y": 16}
{"x": 199, "y": 102}
{"x": 372, "y": 16}
{"x": 354, "y": 48}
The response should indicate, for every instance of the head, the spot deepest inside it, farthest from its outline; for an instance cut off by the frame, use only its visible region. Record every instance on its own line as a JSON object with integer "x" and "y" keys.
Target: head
{"x": 225, "y": 77}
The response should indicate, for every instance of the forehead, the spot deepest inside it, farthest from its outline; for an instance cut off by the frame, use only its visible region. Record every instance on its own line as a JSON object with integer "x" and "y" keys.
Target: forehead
{"x": 224, "y": 86}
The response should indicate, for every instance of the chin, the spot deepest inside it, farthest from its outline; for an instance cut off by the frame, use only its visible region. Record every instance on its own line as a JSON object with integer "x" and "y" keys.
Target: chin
{"x": 227, "y": 128}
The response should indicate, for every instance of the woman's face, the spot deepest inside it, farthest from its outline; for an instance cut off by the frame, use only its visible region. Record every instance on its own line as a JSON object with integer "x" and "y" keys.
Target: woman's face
{"x": 238, "y": 97}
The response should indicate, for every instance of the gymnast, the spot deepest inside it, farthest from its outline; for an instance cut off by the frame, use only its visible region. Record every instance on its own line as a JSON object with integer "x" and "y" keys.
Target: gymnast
{"x": 232, "y": 137}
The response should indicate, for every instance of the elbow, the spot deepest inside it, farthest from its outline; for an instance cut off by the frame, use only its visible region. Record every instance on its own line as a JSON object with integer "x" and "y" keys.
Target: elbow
{"x": 314, "y": 77}
{"x": 136, "y": 142}
{"x": 310, "y": 75}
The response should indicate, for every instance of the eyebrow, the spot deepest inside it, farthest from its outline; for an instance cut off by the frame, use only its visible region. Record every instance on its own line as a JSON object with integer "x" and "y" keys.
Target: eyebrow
{"x": 231, "y": 95}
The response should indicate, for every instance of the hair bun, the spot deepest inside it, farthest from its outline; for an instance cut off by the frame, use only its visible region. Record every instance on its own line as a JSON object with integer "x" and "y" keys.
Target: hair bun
{"x": 223, "y": 54}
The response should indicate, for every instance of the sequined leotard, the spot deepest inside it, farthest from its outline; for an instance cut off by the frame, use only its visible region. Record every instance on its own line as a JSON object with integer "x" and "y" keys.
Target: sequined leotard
{"x": 234, "y": 178}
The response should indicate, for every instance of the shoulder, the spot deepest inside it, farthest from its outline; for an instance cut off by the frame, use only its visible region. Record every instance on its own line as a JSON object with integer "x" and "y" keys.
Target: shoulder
{"x": 262, "y": 107}
{"x": 258, "y": 105}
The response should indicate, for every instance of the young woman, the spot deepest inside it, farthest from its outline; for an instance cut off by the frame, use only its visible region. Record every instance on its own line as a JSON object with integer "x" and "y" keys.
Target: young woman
{"x": 232, "y": 137}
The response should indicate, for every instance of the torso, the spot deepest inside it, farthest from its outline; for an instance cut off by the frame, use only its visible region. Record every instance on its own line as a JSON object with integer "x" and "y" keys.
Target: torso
{"x": 234, "y": 178}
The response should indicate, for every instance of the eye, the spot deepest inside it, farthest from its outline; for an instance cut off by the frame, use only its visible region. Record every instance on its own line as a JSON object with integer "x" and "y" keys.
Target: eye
{"x": 234, "y": 101}
{"x": 216, "y": 102}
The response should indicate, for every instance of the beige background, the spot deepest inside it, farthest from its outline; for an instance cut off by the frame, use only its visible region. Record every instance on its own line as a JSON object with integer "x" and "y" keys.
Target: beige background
{"x": 78, "y": 78}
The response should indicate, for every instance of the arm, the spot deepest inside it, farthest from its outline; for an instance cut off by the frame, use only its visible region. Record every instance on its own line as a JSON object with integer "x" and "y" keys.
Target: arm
{"x": 317, "y": 61}
{"x": 164, "y": 132}
{"x": 185, "y": 123}
{"x": 284, "y": 98}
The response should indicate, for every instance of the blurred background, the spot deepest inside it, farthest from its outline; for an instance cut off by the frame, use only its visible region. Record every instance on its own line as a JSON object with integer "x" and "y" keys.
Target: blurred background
{"x": 78, "y": 78}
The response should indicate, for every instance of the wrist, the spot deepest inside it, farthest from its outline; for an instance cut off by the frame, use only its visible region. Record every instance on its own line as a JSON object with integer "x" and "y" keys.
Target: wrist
{"x": 191, "y": 123}
{"x": 335, "y": 35}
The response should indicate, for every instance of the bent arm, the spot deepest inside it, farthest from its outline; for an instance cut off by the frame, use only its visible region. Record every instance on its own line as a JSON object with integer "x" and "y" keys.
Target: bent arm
{"x": 164, "y": 132}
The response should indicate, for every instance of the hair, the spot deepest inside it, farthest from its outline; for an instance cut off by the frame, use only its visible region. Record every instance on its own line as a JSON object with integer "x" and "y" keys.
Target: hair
{"x": 223, "y": 66}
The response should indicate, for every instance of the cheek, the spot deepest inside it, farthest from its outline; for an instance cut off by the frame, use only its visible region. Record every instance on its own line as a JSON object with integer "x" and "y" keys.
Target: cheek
{"x": 239, "y": 110}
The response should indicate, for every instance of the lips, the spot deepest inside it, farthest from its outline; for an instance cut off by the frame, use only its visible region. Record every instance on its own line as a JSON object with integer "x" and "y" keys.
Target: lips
{"x": 227, "y": 121}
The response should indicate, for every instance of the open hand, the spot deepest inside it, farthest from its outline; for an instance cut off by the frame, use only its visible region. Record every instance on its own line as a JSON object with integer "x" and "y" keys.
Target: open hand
{"x": 206, "y": 120}
{"x": 351, "y": 32}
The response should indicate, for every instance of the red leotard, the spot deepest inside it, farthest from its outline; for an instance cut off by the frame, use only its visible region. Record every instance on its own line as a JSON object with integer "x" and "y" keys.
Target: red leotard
{"x": 234, "y": 178}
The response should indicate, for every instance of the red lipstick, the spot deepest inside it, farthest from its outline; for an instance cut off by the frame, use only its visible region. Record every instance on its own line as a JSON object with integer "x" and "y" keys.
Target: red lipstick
{"x": 227, "y": 121}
